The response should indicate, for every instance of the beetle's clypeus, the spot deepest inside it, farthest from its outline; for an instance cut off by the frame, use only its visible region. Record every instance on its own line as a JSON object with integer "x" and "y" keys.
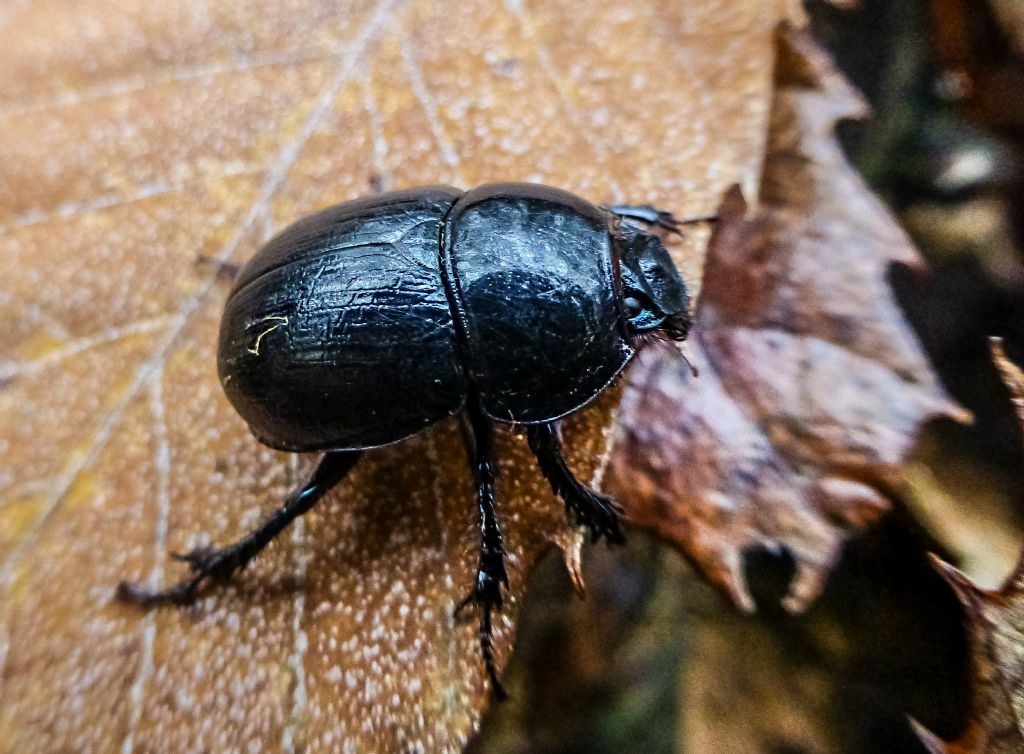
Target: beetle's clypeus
{"x": 512, "y": 303}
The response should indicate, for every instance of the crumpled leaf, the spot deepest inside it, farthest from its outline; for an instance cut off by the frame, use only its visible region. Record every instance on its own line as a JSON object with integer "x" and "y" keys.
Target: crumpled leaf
{"x": 995, "y": 620}
{"x": 811, "y": 384}
{"x": 136, "y": 137}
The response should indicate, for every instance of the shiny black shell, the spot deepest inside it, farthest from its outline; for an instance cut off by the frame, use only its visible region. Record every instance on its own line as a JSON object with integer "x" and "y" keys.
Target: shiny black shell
{"x": 535, "y": 294}
{"x": 367, "y": 322}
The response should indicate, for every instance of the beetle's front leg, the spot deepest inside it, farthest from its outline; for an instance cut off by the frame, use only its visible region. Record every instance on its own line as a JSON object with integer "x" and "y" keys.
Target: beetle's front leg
{"x": 210, "y": 564}
{"x": 490, "y": 573}
{"x": 591, "y": 509}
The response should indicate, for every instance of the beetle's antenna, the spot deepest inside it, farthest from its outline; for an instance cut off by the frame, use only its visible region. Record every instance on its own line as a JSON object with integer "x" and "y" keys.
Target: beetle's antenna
{"x": 644, "y": 215}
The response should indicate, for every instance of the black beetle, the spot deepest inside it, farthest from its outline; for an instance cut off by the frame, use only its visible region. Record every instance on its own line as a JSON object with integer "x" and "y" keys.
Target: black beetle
{"x": 371, "y": 320}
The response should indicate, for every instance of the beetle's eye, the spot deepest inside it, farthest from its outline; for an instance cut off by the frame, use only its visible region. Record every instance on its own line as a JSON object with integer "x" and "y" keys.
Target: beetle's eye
{"x": 642, "y": 314}
{"x": 633, "y": 306}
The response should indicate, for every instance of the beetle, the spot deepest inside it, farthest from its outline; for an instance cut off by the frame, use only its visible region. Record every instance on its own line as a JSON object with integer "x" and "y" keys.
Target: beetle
{"x": 510, "y": 303}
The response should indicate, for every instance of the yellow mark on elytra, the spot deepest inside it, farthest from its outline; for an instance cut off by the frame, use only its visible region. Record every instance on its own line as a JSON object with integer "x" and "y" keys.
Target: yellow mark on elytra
{"x": 281, "y": 322}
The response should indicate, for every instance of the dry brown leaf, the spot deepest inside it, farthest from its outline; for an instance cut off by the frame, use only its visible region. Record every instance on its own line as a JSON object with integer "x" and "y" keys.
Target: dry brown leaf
{"x": 811, "y": 386}
{"x": 134, "y": 138}
{"x": 1012, "y": 376}
{"x": 995, "y": 620}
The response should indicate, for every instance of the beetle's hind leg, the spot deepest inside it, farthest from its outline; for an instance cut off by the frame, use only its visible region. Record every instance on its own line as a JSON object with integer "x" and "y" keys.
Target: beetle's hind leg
{"x": 208, "y": 564}
{"x": 590, "y": 508}
{"x": 645, "y": 213}
{"x": 490, "y": 573}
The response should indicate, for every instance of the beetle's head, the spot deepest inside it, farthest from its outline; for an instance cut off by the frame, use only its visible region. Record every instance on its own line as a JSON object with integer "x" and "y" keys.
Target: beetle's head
{"x": 653, "y": 295}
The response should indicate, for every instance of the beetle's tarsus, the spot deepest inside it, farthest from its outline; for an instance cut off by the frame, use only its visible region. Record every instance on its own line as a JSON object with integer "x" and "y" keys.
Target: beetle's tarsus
{"x": 589, "y": 508}
{"x": 490, "y": 578}
{"x": 209, "y": 564}
{"x": 216, "y": 565}
{"x": 491, "y": 575}
{"x": 487, "y": 649}
{"x": 487, "y": 594}
{"x": 182, "y": 593}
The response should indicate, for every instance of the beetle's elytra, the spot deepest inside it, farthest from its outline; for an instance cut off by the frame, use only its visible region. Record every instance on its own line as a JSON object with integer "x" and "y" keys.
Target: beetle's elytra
{"x": 512, "y": 302}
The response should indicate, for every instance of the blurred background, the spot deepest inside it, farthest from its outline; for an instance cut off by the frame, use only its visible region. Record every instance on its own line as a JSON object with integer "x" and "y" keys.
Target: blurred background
{"x": 644, "y": 665}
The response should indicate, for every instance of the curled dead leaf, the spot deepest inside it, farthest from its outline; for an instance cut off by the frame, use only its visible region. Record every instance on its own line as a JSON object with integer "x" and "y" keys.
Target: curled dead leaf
{"x": 995, "y": 623}
{"x": 1012, "y": 376}
{"x": 812, "y": 385}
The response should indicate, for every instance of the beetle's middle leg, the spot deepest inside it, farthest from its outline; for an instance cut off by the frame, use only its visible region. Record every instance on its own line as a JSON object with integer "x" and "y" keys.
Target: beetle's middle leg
{"x": 490, "y": 573}
{"x": 591, "y": 509}
{"x": 209, "y": 564}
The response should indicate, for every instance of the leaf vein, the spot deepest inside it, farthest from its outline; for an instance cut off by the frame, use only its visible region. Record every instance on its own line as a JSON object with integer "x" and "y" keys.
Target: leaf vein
{"x": 162, "y": 463}
{"x": 118, "y": 87}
